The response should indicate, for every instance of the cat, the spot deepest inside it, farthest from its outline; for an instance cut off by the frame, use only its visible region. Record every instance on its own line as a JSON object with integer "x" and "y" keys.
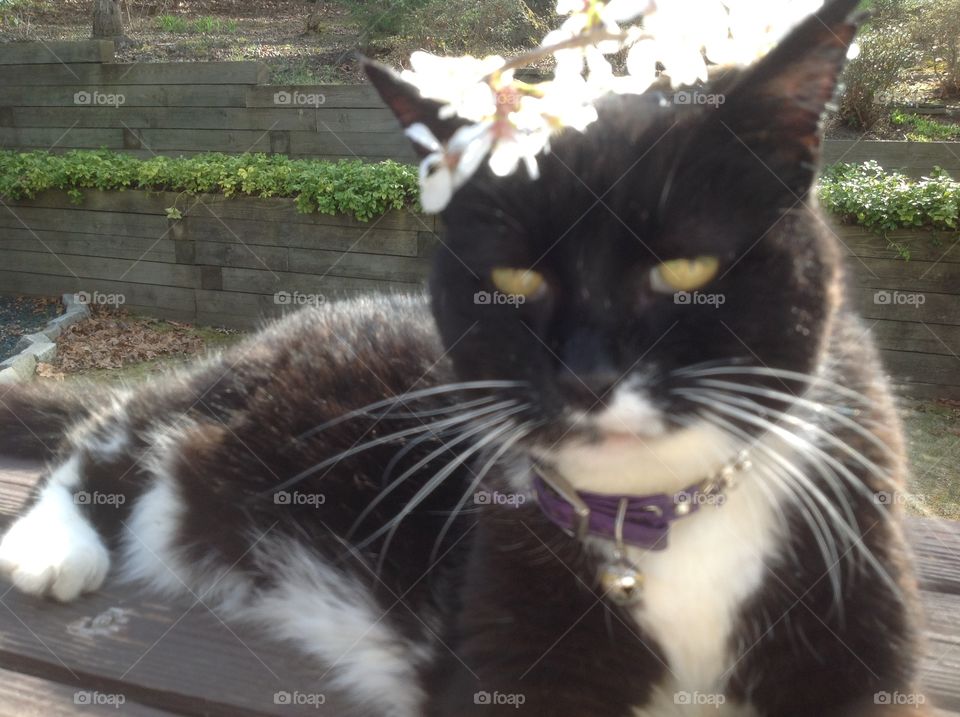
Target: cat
{"x": 657, "y": 326}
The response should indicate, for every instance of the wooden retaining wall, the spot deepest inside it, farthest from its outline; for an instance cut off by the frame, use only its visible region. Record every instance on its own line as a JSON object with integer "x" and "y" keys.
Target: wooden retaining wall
{"x": 912, "y": 307}
{"x": 227, "y": 262}
{"x": 58, "y": 96}
{"x": 70, "y": 95}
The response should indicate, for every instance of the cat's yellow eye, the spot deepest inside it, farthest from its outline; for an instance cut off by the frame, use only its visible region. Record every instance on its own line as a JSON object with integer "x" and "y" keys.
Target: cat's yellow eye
{"x": 683, "y": 274}
{"x": 519, "y": 282}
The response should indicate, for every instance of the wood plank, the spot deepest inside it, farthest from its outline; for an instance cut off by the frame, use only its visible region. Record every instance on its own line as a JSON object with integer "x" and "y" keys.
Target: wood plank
{"x": 893, "y": 155}
{"x": 190, "y": 95}
{"x": 230, "y": 141}
{"x": 63, "y": 137}
{"x": 270, "y": 282}
{"x": 218, "y": 118}
{"x": 118, "y": 247}
{"x": 89, "y": 76}
{"x": 392, "y": 144}
{"x": 936, "y": 544}
{"x": 357, "y": 96}
{"x": 908, "y": 276}
{"x": 927, "y": 390}
{"x": 370, "y": 266}
{"x": 935, "y": 309}
{"x": 85, "y": 222}
{"x": 23, "y": 695}
{"x": 908, "y": 366}
{"x": 923, "y": 246}
{"x": 96, "y": 268}
{"x": 56, "y": 52}
{"x": 272, "y": 209}
{"x": 336, "y": 238}
{"x": 139, "y": 296}
{"x": 913, "y": 336}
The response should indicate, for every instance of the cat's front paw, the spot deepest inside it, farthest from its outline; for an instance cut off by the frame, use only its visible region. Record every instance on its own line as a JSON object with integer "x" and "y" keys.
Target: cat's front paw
{"x": 53, "y": 550}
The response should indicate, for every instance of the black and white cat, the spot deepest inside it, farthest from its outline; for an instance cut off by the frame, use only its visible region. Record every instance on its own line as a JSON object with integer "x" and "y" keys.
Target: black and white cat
{"x": 677, "y": 356}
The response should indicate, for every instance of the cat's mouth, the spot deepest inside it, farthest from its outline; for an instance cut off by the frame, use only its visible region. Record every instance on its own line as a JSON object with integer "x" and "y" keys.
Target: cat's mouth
{"x": 625, "y": 461}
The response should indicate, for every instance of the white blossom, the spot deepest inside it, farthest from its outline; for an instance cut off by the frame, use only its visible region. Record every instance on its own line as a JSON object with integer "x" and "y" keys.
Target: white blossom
{"x": 512, "y": 123}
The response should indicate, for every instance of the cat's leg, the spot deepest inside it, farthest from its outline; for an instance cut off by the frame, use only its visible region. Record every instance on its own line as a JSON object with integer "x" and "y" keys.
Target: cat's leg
{"x": 54, "y": 549}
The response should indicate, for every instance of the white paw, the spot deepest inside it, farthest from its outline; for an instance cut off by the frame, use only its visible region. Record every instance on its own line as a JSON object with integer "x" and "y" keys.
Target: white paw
{"x": 53, "y": 549}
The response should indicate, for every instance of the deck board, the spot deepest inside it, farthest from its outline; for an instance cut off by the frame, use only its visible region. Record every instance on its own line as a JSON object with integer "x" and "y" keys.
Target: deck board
{"x": 179, "y": 658}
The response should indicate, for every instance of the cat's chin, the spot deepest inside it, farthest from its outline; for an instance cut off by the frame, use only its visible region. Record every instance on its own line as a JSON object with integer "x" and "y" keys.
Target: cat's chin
{"x": 625, "y": 463}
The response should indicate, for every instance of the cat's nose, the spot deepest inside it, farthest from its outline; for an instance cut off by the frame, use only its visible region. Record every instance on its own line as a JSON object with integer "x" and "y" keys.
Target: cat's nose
{"x": 586, "y": 369}
{"x": 591, "y": 386}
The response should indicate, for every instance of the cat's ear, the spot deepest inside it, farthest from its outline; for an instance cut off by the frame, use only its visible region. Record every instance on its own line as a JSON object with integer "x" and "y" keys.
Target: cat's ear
{"x": 410, "y": 107}
{"x": 776, "y": 106}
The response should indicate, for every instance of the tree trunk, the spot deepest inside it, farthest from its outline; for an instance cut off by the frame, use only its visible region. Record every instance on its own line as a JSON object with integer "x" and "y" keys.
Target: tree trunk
{"x": 107, "y": 19}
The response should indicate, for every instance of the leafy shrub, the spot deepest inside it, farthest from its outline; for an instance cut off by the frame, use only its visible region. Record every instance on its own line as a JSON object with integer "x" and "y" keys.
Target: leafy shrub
{"x": 936, "y": 30}
{"x": 924, "y": 129}
{"x": 345, "y": 187}
{"x": 883, "y": 201}
{"x": 884, "y": 52}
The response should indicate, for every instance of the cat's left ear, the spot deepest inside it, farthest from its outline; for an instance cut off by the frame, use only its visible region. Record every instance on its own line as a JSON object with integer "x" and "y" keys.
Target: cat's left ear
{"x": 410, "y": 107}
{"x": 776, "y": 106}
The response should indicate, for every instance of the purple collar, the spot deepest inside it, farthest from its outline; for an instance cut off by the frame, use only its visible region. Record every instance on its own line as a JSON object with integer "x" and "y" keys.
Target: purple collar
{"x": 641, "y": 520}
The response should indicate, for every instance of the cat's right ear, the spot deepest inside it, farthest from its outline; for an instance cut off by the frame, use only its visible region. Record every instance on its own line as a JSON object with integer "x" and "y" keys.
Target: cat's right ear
{"x": 409, "y": 106}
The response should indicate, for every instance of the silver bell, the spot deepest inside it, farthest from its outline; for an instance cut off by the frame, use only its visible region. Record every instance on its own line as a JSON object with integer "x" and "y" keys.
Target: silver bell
{"x": 621, "y": 582}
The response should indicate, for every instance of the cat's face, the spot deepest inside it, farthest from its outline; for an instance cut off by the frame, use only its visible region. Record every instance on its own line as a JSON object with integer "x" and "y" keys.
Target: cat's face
{"x": 666, "y": 238}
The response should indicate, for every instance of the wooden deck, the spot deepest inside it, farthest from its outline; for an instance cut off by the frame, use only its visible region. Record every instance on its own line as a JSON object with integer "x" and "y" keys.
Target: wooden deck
{"x": 163, "y": 659}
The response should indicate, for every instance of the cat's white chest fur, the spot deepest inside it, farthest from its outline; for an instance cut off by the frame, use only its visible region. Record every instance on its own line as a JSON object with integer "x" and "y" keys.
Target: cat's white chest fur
{"x": 693, "y": 593}
{"x": 715, "y": 560}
